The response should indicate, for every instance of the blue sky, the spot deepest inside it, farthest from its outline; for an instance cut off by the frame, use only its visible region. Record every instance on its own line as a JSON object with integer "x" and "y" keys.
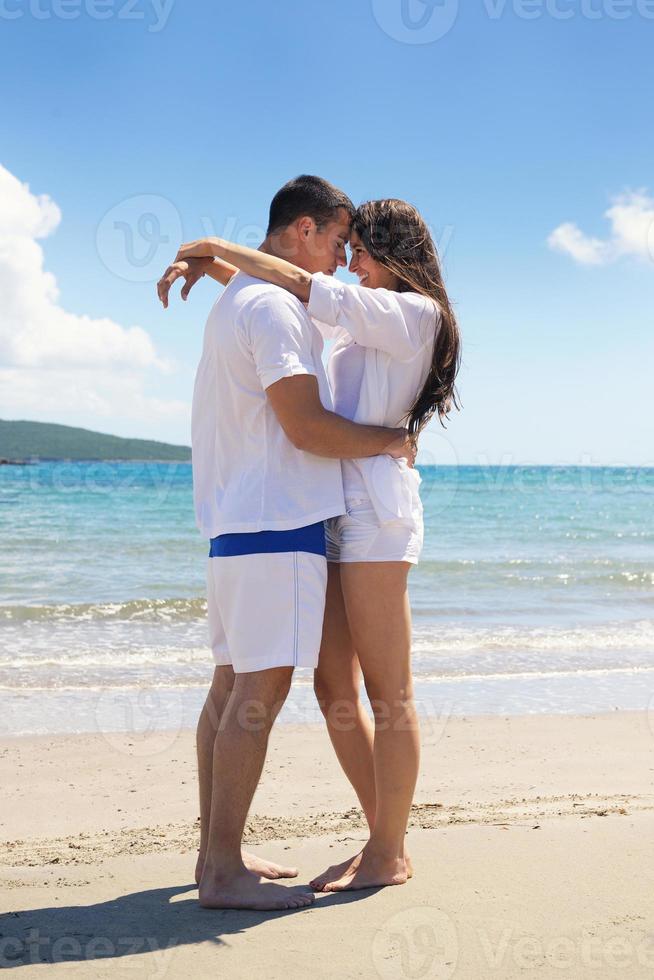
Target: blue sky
{"x": 518, "y": 123}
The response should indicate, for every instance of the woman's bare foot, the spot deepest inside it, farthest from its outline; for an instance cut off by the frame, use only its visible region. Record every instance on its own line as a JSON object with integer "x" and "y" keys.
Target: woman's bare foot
{"x": 258, "y": 866}
{"x": 244, "y": 890}
{"x": 372, "y": 871}
{"x": 346, "y": 869}
{"x": 335, "y": 872}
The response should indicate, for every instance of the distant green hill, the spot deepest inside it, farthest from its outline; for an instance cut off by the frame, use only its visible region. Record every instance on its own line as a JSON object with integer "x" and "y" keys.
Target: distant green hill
{"x": 25, "y": 440}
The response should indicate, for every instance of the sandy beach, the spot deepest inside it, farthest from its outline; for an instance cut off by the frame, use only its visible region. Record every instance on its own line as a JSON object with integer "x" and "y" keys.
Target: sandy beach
{"x": 532, "y": 839}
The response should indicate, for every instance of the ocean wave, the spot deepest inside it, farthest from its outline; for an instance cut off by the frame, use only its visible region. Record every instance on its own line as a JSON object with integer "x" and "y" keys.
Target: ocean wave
{"x": 596, "y": 573}
{"x": 113, "y": 659}
{"x": 435, "y": 638}
{"x": 131, "y": 610}
{"x": 533, "y": 674}
{"x": 595, "y": 580}
{"x": 444, "y": 676}
{"x": 609, "y": 636}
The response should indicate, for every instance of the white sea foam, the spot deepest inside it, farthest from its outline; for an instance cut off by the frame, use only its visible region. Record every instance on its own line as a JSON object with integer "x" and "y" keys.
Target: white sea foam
{"x": 497, "y": 639}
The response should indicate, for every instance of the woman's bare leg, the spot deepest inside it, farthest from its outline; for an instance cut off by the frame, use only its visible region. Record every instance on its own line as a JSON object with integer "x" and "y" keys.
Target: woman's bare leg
{"x": 336, "y": 683}
{"x": 379, "y": 617}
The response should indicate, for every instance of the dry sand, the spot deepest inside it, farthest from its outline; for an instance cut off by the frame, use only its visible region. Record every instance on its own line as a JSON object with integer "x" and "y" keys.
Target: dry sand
{"x": 532, "y": 838}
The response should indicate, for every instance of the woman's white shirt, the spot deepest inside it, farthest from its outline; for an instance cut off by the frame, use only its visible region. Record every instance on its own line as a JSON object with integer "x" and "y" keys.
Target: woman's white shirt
{"x": 397, "y": 331}
{"x": 345, "y": 369}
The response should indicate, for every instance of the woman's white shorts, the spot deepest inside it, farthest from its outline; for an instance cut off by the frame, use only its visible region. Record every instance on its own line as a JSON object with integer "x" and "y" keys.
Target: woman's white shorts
{"x": 359, "y": 536}
{"x": 266, "y": 610}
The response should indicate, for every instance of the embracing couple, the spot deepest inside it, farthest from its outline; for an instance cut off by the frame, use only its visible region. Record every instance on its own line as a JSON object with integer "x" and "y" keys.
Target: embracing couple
{"x": 305, "y": 488}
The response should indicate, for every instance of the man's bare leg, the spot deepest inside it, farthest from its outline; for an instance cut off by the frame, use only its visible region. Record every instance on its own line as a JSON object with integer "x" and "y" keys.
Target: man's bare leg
{"x": 212, "y": 712}
{"x": 238, "y": 757}
{"x": 337, "y": 683}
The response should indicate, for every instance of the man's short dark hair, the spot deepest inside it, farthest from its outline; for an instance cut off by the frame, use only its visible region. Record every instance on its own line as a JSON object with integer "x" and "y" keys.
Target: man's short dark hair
{"x": 307, "y": 196}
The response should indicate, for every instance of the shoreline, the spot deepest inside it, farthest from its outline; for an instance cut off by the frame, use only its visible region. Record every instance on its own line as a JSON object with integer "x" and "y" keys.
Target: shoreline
{"x": 317, "y": 726}
{"x": 469, "y": 764}
{"x": 143, "y": 709}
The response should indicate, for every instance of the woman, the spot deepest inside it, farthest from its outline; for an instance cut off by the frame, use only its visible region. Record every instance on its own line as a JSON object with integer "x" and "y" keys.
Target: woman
{"x": 394, "y": 362}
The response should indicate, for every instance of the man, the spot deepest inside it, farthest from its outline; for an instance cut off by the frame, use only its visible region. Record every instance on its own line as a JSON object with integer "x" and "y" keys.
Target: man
{"x": 266, "y": 474}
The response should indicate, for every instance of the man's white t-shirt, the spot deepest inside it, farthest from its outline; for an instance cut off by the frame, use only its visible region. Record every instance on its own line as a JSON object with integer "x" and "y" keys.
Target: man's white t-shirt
{"x": 247, "y": 475}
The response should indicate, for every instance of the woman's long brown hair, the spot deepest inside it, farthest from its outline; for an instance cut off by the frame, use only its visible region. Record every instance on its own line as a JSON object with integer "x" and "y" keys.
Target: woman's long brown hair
{"x": 396, "y": 236}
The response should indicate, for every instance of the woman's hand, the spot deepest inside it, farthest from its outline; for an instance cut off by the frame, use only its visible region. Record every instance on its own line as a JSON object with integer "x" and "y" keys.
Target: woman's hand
{"x": 201, "y": 248}
{"x": 190, "y": 269}
{"x": 251, "y": 261}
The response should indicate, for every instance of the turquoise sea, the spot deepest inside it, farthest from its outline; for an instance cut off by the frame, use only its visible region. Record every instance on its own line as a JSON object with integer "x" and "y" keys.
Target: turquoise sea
{"x": 535, "y": 594}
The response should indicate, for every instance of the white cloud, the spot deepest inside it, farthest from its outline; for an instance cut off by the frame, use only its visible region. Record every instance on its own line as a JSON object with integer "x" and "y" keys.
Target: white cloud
{"x": 632, "y": 233}
{"x": 88, "y": 398}
{"x": 59, "y": 365}
{"x": 568, "y": 238}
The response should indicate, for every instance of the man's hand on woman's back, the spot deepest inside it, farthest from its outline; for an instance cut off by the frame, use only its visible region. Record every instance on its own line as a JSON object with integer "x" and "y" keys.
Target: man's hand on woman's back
{"x": 313, "y": 428}
{"x": 404, "y": 447}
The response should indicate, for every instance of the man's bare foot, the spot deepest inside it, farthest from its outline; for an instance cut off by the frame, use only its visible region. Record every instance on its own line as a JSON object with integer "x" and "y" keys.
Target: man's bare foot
{"x": 346, "y": 869}
{"x": 258, "y": 866}
{"x": 372, "y": 871}
{"x": 244, "y": 890}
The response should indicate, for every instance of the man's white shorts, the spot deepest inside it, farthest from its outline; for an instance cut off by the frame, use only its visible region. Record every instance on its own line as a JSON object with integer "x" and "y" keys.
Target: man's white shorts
{"x": 266, "y": 610}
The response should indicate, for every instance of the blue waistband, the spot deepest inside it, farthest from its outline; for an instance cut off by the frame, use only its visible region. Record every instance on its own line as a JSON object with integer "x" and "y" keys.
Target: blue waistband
{"x": 310, "y": 538}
